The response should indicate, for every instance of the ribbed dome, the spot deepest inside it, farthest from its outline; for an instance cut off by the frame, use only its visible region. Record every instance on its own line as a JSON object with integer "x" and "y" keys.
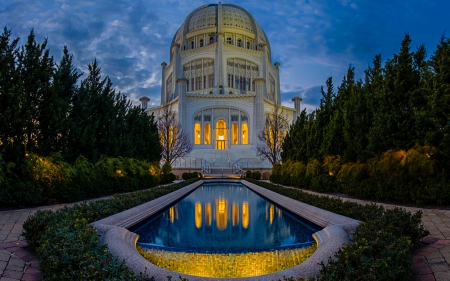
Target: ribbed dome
{"x": 233, "y": 16}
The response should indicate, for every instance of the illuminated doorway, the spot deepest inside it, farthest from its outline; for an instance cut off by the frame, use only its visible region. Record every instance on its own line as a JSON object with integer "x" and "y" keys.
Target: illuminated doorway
{"x": 221, "y": 134}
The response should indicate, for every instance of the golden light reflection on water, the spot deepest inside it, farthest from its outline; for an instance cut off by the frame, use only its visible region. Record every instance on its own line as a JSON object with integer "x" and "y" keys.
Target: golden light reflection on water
{"x": 208, "y": 216}
{"x": 230, "y": 265}
{"x": 245, "y": 214}
{"x": 235, "y": 214}
{"x": 198, "y": 214}
{"x": 221, "y": 213}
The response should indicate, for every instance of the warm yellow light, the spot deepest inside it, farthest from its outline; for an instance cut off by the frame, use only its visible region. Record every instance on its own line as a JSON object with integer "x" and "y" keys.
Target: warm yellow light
{"x": 271, "y": 213}
{"x": 198, "y": 214}
{"x": 198, "y": 136}
{"x": 330, "y": 173}
{"x": 171, "y": 214}
{"x": 220, "y": 137}
{"x": 235, "y": 214}
{"x": 208, "y": 216}
{"x": 228, "y": 265}
{"x": 245, "y": 214}
{"x": 221, "y": 214}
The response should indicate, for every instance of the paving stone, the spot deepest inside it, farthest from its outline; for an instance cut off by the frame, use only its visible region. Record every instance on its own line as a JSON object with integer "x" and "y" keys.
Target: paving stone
{"x": 3, "y": 265}
{"x": 30, "y": 277}
{"x": 12, "y": 274}
{"x": 8, "y": 279}
{"x": 442, "y": 276}
{"x": 439, "y": 267}
{"x": 423, "y": 277}
{"x": 4, "y": 257}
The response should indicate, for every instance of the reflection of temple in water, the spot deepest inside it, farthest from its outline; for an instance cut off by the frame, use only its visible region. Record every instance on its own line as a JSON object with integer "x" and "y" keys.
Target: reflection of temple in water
{"x": 221, "y": 214}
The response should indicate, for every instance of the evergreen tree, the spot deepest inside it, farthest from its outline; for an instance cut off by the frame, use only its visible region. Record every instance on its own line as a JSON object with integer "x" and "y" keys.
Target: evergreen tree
{"x": 11, "y": 129}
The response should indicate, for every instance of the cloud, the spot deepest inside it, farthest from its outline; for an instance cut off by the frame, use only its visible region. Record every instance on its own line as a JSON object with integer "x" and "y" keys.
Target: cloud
{"x": 313, "y": 39}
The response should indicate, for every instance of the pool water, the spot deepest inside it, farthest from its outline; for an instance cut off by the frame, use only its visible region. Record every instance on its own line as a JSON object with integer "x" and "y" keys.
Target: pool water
{"x": 224, "y": 218}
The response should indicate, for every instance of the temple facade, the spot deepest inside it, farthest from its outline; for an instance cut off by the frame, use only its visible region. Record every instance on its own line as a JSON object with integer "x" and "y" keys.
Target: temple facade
{"x": 221, "y": 80}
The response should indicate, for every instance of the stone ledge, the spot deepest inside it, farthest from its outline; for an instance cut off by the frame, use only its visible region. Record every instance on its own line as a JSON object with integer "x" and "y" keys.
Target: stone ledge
{"x": 122, "y": 243}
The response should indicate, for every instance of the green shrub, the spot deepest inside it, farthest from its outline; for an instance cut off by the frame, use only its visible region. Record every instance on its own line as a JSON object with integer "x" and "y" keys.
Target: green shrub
{"x": 256, "y": 175}
{"x": 67, "y": 245}
{"x": 248, "y": 174}
{"x": 381, "y": 246}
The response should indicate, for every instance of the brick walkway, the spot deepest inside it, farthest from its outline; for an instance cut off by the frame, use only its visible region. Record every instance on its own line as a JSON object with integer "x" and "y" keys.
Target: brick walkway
{"x": 431, "y": 261}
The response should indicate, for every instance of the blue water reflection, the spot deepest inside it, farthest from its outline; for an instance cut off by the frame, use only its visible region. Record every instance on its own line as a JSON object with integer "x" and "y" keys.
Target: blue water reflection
{"x": 225, "y": 217}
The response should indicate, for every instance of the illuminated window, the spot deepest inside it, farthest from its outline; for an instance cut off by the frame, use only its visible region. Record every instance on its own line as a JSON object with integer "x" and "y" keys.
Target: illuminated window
{"x": 197, "y": 134}
{"x": 228, "y": 40}
{"x": 244, "y": 134}
{"x": 239, "y": 43}
{"x": 235, "y": 133}
{"x": 221, "y": 134}
{"x": 207, "y": 133}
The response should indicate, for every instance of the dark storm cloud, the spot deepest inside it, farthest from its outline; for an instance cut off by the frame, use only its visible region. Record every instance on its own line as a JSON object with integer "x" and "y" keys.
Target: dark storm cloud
{"x": 313, "y": 39}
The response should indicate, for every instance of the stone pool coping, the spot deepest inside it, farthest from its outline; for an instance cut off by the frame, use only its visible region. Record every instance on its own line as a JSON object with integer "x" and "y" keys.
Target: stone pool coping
{"x": 122, "y": 243}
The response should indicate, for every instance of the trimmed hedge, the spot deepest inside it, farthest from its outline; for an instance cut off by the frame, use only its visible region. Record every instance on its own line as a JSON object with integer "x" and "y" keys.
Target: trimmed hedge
{"x": 68, "y": 248}
{"x": 44, "y": 180}
{"x": 398, "y": 175}
{"x": 193, "y": 175}
{"x": 381, "y": 245}
{"x": 67, "y": 245}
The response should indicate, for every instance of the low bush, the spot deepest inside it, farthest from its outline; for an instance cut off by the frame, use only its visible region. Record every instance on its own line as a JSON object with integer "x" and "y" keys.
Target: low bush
{"x": 396, "y": 175}
{"x": 193, "y": 175}
{"x": 266, "y": 175}
{"x": 43, "y": 180}
{"x": 381, "y": 245}
{"x": 67, "y": 245}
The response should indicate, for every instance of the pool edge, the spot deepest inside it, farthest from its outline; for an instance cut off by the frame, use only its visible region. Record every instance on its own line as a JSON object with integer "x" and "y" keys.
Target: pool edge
{"x": 122, "y": 243}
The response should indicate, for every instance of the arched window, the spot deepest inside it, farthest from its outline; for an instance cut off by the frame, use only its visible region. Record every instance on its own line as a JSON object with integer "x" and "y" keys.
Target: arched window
{"x": 192, "y": 44}
{"x": 230, "y": 92}
{"x": 201, "y": 42}
{"x": 244, "y": 133}
{"x": 221, "y": 134}
{"x": 239, "y": 43}
{"x": 197, "y": 134}
{"x": 228, "y": 40}
{"x": 235, "y": 133}
{"x": 248, "y": 44}
{"x": 207, "y": 133}
{"x": 211, "y": 40}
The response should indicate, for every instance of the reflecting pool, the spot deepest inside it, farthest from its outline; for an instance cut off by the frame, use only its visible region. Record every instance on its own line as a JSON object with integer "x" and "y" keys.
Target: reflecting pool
{"x": 220, "y": 219}
{"x": 225, "y": 217}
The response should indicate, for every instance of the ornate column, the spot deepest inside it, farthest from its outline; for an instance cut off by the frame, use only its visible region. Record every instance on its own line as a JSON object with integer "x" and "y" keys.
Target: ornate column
{"x": 259, "y": 106}
{"x": 277, "y": 84}
{"x": 163, "y": 84}
{"x": 296, "y": 101}
{"x": 144, "y": 101}
{"x": 181, "y": 88}
{"x": 264, "y": 71}
{"x": 176, "y": 68}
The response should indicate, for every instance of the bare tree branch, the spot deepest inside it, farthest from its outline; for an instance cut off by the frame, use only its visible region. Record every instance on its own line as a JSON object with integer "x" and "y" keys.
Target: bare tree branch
{"x": 271, "y": 138}
{"x": 174, "y": 140}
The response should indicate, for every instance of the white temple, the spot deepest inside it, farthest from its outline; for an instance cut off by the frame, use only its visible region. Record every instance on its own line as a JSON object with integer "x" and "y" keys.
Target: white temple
{"x": 222, "y": 83}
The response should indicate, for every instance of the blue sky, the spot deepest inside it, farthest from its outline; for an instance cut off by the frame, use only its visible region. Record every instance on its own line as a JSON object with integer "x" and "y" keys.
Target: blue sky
{"x": 312, "y": 40}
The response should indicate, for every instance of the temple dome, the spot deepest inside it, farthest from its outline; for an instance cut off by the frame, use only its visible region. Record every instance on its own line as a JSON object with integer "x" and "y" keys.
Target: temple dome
{"x": 233, "y": 17}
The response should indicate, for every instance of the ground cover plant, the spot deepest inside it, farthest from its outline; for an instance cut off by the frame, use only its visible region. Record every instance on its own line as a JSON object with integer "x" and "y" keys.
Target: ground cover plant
{"x": 380, "y": 249}
{"x": 67, "y": 245}
{"x": 381, "y": 245}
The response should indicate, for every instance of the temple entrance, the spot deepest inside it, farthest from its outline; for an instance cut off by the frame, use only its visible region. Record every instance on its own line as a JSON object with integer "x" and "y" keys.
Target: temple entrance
{"x": 221, "y": 134}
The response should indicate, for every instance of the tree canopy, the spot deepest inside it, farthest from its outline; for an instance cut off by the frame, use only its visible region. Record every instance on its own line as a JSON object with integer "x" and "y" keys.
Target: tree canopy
{"x": 45, "y": 109}
{"x": 398, "y": 105}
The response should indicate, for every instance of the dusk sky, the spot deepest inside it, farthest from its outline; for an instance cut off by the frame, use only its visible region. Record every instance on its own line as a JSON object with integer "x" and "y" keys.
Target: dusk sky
{"x": 312, "y": 40}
